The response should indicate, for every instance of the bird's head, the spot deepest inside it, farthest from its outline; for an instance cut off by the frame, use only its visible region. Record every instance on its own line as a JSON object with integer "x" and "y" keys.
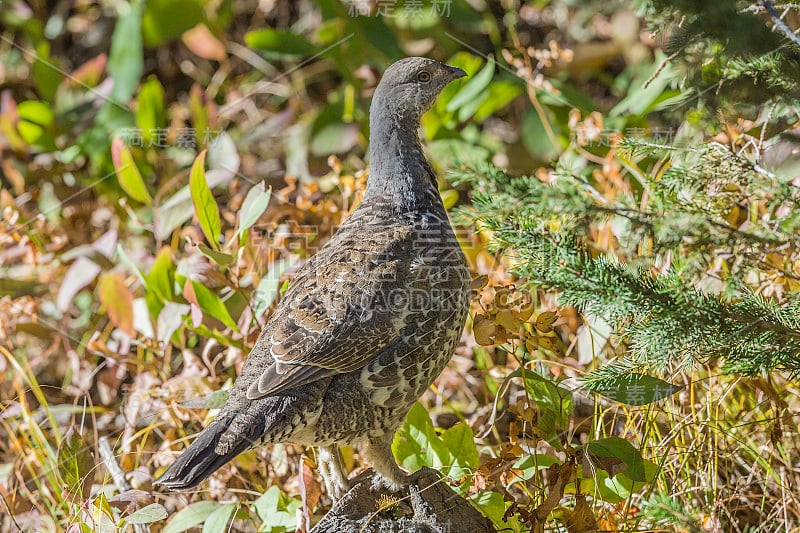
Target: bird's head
{"x": 409, "y": 87}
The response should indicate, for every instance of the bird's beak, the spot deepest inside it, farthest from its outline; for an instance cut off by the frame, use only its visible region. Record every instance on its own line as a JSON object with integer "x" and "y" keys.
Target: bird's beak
{"x": 456, "y": 73}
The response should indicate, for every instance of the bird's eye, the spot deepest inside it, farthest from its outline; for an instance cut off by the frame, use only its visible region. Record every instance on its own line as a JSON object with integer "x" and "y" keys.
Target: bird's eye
{"x": 424, "y": 76}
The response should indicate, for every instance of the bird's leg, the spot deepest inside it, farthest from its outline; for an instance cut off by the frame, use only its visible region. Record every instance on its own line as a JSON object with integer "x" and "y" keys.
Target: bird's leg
{"x": 332, "y": 471}
{"x": 378, "y": 453}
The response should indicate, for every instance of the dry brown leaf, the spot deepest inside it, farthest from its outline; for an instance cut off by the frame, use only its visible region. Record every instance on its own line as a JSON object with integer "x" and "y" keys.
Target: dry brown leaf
{"x": 544, "y": 322}
{"x": 483, "y": 329}
{"x": 581, "y": 519}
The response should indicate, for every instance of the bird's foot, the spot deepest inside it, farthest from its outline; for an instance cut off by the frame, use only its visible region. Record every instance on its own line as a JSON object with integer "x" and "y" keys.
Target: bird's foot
{"x": 381, "y": 482}
{"x": 420, "y": 479}
{"x": 333, "y": 473}
{"x": 336, "y": 488}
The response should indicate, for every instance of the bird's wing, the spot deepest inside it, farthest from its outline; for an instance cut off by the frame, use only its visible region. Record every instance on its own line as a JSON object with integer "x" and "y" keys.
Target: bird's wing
{"x": 338, "y": 312}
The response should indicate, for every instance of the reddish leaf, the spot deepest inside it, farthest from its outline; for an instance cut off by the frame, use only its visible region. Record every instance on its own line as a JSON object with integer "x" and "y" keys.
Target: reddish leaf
{"x": 117, "y": 298}
{"x": 203, "y": 43}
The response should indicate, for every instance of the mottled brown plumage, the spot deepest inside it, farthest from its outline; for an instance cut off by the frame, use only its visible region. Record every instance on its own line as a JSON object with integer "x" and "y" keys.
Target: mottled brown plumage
{"x": 367, "y": 323}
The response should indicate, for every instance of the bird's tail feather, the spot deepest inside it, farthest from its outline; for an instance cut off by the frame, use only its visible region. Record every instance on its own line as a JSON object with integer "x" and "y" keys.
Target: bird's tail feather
{"x": 201, "y": 459}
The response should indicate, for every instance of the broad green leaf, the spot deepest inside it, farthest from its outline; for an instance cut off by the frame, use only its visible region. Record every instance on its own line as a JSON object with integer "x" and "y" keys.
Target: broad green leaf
{"x": 450, "y": 152}
{"x": 617, "y": 448}
{"x": 217, "y": 522}
{"x": 613, "y": 489}
{"x": 127, "y": 173}
{"x": 36, "y": 112}
{"x": 493, "y": 506}
{"x": 220, "y": 258}
{"x": 555, "y": 403}
{"x": 279, "y": 43}
{"x": 277, "y": 511}
{"x": 463, "y": 455}
{"x": 204, "y": 205}
{"x": 159, "y": 282}
{"x": 150, "y": 109}
{"x": 147, "y": 515}
{"x": 500, "y": 94}
{"x": 417, "y": 444}
{"x": 639, "y": 99}
{"x": 117, "y": 298}
{"x": 635, "y": 389}
{"x": 255, "y": 203}
{"x": 535, "y": 137}
{"x": 165, "y": 20}
{"x": 45, "y": 77}
{"x": 76, "y": 464}
{"x": 190, "y": 516}
{"x": 530, "y": 464}
{"x": 473, "y": 88}
{"x": 335, "y": 138}
{"x": 126, "y": 58}
{"x": 212, "y": 305}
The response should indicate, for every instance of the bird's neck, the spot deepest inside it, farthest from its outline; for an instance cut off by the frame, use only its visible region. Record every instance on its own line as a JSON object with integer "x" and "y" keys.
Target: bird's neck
{"x": 399, "y": 171}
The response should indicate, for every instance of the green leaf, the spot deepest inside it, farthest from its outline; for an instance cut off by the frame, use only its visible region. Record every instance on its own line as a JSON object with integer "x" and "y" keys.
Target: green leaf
{"x": 334, "y": 138}
{"x": 635, "y": 389}
{"x": 190, "y": 516}
{"x": 217, "y": 522}
{"x": 126, "y": 58}
{"x": 499, "y": 95}
{"x": 473, "y": 88}
{"x": 255, "y": 203}
{"x": 555, "y": 403}
{"x": 620, "y": 449}
{"x": 150, "y": 109}
{"x": 417, "y": 444}
{"x": 45, "y": 77}
{"x": 159, "y": 282}
{"x": 76, "y": 464}
{"x": 613, "y": 489}
{"x": 36, "y": 112}
{"x": 204, "y": 205}
{"x": 639, "y": 99}
{"x": 277, "y": 511}
{"x": 493, "y": 506}
{"x": 147, "y": 515}
{"x": 211, "y": 304}
{"x": 535, "y": 138}
{"x": 220, "y": 258}
{"x": 165, "y": 20}
{"x": 279, "y": 43}
{"x": 461, "y": 447}
{"x": 451, "y": 152}
{"x": 127, "y": 173}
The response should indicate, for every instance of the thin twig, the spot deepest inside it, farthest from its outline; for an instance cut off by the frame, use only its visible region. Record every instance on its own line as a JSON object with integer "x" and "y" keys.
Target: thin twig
{"x": 116, "y": 473}
{"x": 10, "y": 514}
{"x": 780, "y": 24}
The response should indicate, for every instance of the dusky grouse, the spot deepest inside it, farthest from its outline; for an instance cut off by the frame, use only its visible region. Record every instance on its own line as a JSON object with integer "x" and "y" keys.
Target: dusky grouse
{"x": 367, "y": 323}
